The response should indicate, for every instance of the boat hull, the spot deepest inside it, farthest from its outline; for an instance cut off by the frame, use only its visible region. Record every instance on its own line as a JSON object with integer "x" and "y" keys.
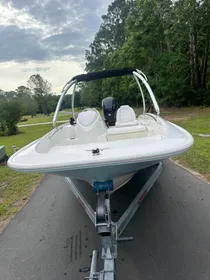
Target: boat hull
{"x": 120, "y": 174}
{"x": 117, "y": 160}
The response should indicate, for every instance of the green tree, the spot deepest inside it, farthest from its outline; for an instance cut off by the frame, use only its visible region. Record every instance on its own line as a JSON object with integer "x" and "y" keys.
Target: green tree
{"x": 111, "y": 35}
{"x": 110, "y": 38}
{"x": 168, "y": 40}
{"x": 41, "y": 90}
{"x": 10, "y": 113}
{"x": 29, "y": 104}
{"x": 51, "y": 103}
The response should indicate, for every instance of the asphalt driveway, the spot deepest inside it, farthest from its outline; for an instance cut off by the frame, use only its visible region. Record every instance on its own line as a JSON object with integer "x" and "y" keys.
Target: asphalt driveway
{"x": 52, "y": 238}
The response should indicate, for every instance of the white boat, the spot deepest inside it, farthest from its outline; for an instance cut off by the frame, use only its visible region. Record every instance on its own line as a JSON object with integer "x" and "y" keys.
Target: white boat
{"x": 106, "y": 149}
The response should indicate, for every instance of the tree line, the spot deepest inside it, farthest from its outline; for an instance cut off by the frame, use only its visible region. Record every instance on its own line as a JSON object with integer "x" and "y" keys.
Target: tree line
{"x": 36, "y": 97}
{"x": 25, "y": 100}
{"x": 167, "y": 40}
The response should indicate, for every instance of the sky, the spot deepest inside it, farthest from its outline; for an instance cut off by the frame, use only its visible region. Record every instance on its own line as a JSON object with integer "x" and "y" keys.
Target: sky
{"x": 48, "y": 37}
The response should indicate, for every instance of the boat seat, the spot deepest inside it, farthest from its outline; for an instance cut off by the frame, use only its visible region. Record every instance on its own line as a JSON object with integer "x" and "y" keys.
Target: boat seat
{"x": 90, "y": 127}
{"x": 87, "y": 117}
{"x": 129, "y": 132}
{"x": 125, "y": 117}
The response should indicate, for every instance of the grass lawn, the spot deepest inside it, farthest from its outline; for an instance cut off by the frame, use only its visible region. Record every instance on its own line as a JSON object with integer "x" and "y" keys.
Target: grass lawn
{"x": 196, "y": 121}
{"x": 63, "y": 115}
{"x": 16, "y": 187}
{"x": 40, "y": 119}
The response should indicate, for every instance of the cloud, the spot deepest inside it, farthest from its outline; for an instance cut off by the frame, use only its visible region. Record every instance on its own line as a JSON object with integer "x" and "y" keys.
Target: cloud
{"x": 22, "y": 19}
{"x": 36, "y": 69}
{"x": 64, "y": 39}
{"x": 17, "y": 44}
{"x": 66, "y": 43}
{"x": 47, "y": 32}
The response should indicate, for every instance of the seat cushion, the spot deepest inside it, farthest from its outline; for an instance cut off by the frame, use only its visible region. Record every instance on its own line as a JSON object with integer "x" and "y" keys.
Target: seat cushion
{"x": 121, "y": 130}
{"x": 120, "y": 133}
{"x": 88, "y": 117}
{"x": 125, "y": 117}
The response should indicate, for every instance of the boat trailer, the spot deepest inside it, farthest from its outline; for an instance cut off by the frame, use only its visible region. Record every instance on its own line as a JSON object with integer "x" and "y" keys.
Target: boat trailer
{"x": 109, "y": 231}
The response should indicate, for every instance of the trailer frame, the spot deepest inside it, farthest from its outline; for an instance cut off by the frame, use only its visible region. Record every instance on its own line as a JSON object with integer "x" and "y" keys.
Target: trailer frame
{"x": 110, "y": 232}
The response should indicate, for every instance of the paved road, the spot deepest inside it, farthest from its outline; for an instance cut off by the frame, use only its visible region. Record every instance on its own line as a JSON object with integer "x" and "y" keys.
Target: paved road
{"x": 51, "y": 238}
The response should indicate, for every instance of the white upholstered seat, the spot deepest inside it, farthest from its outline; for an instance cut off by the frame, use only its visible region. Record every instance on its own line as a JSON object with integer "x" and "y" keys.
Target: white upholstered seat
{"x": 125, "y": 117}
{"x": 126, "y": 126}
